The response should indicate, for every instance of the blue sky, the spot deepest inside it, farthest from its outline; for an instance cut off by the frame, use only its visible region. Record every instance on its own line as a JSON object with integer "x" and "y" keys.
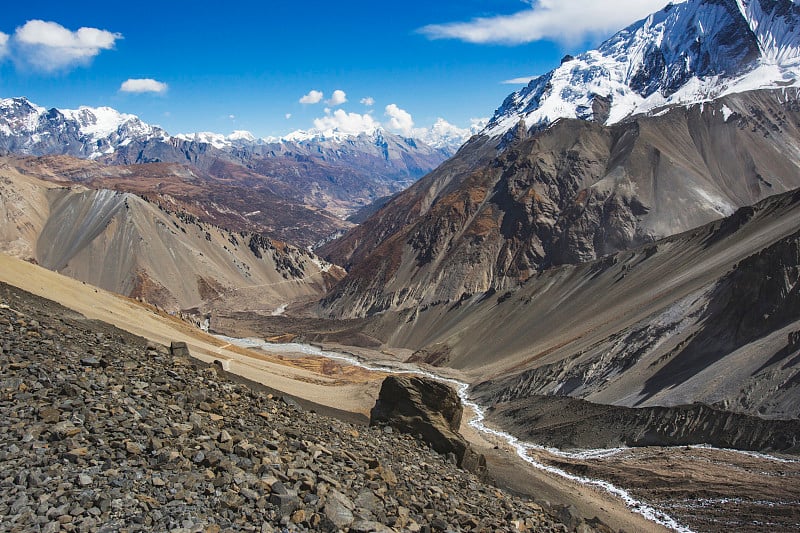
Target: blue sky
{"x": 246, "y": 65}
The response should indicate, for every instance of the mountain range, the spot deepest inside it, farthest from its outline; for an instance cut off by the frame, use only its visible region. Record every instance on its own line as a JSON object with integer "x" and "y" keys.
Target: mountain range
{"x": 512, "y": 260}
{"x": 316, "y": 175}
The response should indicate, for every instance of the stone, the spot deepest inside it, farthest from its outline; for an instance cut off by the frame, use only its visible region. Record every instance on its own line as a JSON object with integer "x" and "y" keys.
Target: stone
{"x": 339, "y": 515}
{"x": 179, "y": 349}
{"x": 422, "y": 406}
{"x": 286, "y": 503}
{"x": 93, "y": 362}
{"x": 64, "y": 430}
{"x": 299, "y": 516}
{"x": 49, "y": 415}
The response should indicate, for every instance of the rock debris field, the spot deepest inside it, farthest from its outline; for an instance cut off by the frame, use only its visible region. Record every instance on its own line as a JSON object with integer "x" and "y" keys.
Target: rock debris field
{"x": 101, "y": 431}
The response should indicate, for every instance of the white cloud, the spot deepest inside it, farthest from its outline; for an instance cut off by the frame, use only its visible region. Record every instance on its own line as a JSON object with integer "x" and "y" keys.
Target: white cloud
{"x": 560, "y": 20}
{"x": 368, "y": 101}
{"x": 49, "y": 46}
{"x": 477, "y": 124}
{"x": 345, "y": 122}
{"x": 399, "y": 119}
{"x": 443, "y": 134}
{"x": 313, "y": 97}
{"x": 524, "y": 80}
{"x": 288, "y": 116}
{"x": 3, "y": 45}
{"x": 143, "y": 85}
{"x": 338, "y": 97}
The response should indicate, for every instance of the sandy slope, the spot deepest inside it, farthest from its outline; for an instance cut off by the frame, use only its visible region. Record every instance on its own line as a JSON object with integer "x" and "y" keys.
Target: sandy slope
{"x": 145, "y": 321}
{"x": 125, "y": 244}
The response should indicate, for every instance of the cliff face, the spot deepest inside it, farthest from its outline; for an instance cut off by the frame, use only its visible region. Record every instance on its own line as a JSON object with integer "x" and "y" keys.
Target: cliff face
{"x": 489, "y": 220}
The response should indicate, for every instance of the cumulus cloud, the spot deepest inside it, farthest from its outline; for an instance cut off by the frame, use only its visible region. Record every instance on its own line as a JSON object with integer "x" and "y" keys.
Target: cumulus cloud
{"x": 143, "y": 85}
{"x": 345, "y": 122}
{"x": 561, "y": 20}
{"x": 368, "y": 101}
{"x": 399, "y": 119}
{"x": 288, "y": 116}
{"x": 313, "y": 97}
{"x": 337, "y": 98}
{"x": 49, "y": 46}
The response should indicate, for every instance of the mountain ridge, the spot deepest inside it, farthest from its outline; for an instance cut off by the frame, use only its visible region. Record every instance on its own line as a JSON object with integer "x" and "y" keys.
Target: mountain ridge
{"x": 690, "y": 52}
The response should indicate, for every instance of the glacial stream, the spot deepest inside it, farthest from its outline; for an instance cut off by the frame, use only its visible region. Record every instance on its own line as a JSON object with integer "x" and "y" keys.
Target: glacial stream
{"x": 523, "y": 449}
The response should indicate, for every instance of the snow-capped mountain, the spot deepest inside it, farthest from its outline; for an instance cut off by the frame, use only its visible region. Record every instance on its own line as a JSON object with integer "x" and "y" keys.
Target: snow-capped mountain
{"x": 85, "y": 132}
{"x": 99, "y": 133}
{"x": 447, "y": 136}
{"x": 689, "y": 52}
{"x": 338, "y": 172}
{"x": 441, "y": 136}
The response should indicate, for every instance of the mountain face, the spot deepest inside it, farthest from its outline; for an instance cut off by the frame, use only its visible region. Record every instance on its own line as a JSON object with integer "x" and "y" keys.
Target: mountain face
{"x": 121, "y": 242}
{"x": 598, "y": 240}
{"x": 675, "y": 121}
{"x": 570, "y": 194}
{"x": 269, "y": 207}
{"x": 687, "y": 53}
{"x": 330, "y": 171}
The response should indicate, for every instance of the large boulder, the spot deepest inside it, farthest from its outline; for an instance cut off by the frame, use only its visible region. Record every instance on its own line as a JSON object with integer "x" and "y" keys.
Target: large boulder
{"x": 429, "y": 409}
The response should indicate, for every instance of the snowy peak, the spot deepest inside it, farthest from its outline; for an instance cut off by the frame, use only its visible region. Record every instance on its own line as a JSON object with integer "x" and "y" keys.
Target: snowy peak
{"x": 102, "y": 122}
{"x": 689, "y": 52}
{"x": 775, "y": 25}
{"x": 87, "y": 131}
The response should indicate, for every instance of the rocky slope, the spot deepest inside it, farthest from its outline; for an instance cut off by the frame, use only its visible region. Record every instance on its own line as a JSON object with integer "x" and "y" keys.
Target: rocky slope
{"x": 706, "y": 316}
{"x": 567, "y": 423}
{"x": 331, "y": 170}
{"x": 572, "y": 193}
{"x": 105, "y": 431}
{"x": 268, "y": 206}
{"x": 121, "y": 242}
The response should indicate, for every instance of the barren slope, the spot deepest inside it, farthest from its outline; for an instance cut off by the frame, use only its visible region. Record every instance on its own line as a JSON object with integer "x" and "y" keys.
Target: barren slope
{"x": 121, "y": 242}
{"x": 227, "y": 195}
{"x": 707, "y": 316}
{"x": 572, "y": 193}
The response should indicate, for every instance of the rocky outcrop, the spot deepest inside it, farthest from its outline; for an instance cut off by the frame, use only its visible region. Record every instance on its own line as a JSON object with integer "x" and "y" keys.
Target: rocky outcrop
{"x": 428, "y": 409}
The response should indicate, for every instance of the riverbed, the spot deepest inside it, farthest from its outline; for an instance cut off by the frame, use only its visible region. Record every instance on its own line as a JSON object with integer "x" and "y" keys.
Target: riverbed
{"x": 680, "y": 489}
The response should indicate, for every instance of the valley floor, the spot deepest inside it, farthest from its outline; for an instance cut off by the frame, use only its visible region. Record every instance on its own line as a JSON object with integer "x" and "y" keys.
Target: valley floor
{"x": 705, "y": 490}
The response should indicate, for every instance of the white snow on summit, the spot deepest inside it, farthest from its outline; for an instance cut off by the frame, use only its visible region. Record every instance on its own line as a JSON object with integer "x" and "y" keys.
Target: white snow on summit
{"x": 689, "y": 52}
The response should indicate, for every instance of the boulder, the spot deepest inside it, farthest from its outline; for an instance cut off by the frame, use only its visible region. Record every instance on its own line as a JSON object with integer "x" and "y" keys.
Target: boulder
{"x": 427, "y": 408}
{"x": 179, "y": 349}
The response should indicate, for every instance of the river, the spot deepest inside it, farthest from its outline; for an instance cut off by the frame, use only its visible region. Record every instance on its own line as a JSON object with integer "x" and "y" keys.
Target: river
{"x": 523, "y": 449}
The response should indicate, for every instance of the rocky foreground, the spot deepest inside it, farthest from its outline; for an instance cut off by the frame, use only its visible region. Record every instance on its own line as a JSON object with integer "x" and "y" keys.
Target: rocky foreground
{"x": 101, "y": 431}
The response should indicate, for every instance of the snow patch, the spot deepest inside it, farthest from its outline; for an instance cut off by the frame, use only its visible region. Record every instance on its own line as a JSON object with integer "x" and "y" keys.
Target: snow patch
{"x": 726, "y": 113}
